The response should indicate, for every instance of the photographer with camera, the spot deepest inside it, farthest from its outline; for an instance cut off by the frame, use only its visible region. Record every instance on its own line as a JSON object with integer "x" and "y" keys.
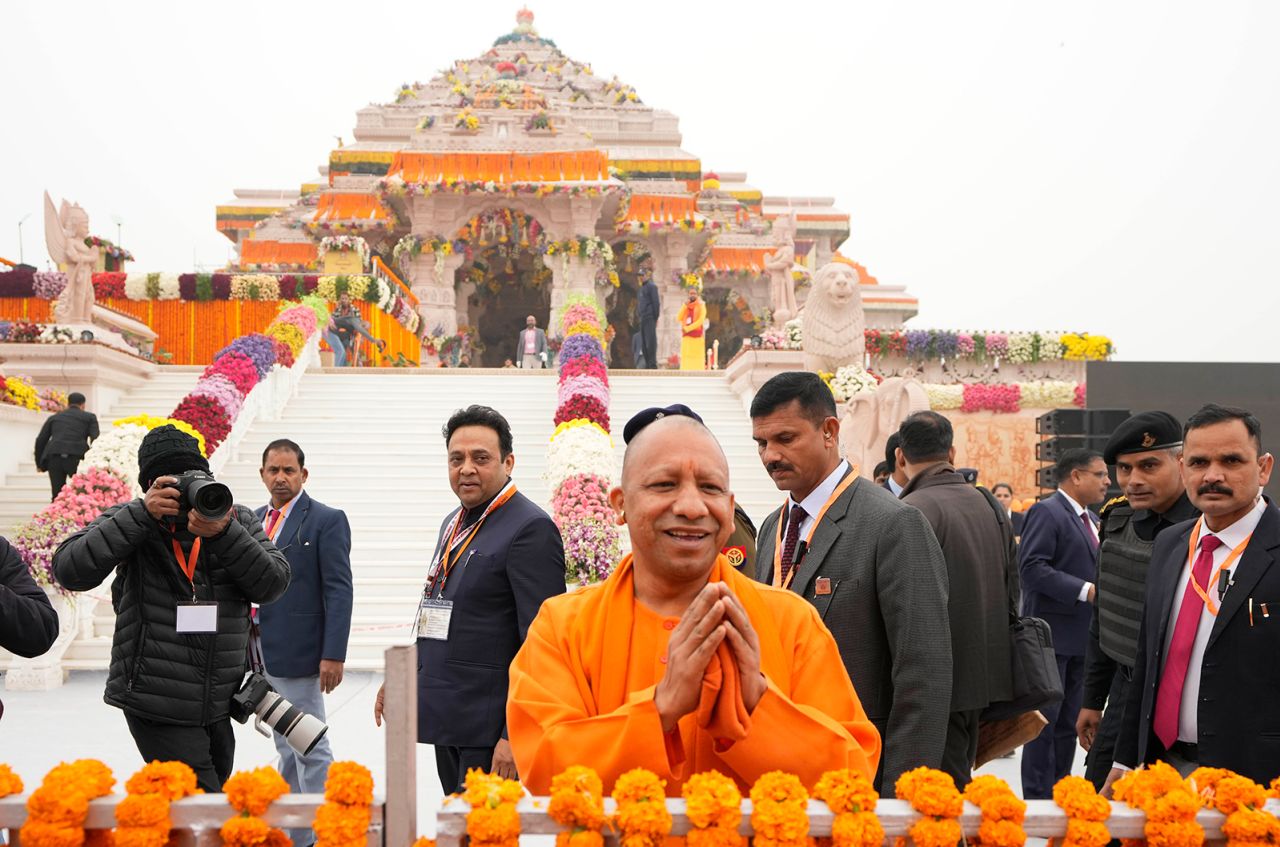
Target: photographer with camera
{"x": 188, "y": 563}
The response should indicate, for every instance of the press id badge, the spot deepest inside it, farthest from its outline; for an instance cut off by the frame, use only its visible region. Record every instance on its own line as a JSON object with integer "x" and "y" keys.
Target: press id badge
{"x": 433, "y": 619}
{"x": 197, "y": 617}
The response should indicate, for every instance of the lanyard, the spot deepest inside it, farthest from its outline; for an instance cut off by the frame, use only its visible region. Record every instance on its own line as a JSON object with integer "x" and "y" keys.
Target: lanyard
{"x": 276, "y": 524}
{"x": 786, "y": 513}
{"x": 1194, "y": 540}
{"x": 446, "y": 555}
{"x": 187, "y": 568}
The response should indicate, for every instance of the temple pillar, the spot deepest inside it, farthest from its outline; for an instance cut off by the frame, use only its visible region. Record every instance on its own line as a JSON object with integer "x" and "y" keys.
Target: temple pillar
{"x": 433, "y": 285}
{"x": 668, "y": 265}
{"x": 571, "y": 275}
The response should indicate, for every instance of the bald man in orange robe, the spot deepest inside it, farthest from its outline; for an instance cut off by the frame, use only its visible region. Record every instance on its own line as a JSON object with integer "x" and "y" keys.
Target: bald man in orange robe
{"x": 677, "y": 663}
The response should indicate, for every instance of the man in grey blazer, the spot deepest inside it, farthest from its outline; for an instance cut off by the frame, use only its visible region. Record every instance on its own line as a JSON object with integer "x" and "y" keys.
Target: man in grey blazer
{"x": 868, "y": 563}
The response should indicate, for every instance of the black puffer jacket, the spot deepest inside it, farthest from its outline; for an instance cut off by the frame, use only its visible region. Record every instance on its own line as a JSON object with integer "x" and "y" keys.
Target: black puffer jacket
{"x": 155, "y": 672}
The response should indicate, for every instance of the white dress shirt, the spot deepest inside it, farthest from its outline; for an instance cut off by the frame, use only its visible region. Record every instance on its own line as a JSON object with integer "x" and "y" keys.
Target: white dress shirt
{"x": 817, "y": 498}
{"x": 284, "y": 516}
{"x": 1093, "y": 530}
{"x": 1231, "y": 537}
{"x": 894, "y": 487}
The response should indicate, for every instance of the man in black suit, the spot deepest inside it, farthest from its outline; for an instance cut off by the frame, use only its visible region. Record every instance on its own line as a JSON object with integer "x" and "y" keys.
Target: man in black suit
{"x": 63, "y": 441}
{"x": 1003, "y": 492}
{"x": 1206, "y": 677}
{"x": 981, "y": 557}
{"x": 304, "y": 633}
{"x": 648, "y": 312}
{"x": 498, "y": 557}
{"x": 867, "y": 562}
{"x": 1057, "y": 562}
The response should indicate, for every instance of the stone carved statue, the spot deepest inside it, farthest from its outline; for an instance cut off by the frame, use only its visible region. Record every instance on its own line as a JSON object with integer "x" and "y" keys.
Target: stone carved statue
{"x": 871, "y": 417}
{"x": 65, "y": 231}
{"x": 782, "y": 288}
{"x": 832, "y": 323}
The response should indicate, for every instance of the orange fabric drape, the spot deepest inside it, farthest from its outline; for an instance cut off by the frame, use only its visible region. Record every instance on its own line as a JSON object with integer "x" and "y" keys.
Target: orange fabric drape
{"x": 589, "y": 165}
{"x": 193, "y": 332}
{"x": 660, "y": 208}
{"x": 728, "y": 259}
{"x": 255, "y": 252}
{"x": 349, "y": 207}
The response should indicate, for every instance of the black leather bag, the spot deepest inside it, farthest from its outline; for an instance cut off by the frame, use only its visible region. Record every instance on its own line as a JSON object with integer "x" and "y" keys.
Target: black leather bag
{"x": 1036, "y": 683}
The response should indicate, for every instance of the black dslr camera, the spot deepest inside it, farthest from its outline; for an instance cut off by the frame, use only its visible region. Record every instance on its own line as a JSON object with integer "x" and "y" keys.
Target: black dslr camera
{"x": 258, "y": 700}
{"x": 200, "y": 491}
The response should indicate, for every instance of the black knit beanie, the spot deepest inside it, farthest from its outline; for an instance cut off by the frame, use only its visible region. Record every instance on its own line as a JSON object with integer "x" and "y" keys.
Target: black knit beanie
{"x": 168, "y": 451}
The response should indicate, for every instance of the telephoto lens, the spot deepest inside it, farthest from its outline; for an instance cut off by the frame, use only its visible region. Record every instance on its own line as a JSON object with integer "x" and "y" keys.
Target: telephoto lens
{"x": 256, "y": 697}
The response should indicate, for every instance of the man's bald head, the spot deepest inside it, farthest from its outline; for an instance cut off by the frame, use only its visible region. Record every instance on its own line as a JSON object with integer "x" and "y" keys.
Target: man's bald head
{"x": 661, "y": 432}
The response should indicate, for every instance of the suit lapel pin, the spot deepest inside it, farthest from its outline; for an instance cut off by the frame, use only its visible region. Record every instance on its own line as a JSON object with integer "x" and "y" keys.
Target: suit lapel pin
{"x": 822, "y": 585}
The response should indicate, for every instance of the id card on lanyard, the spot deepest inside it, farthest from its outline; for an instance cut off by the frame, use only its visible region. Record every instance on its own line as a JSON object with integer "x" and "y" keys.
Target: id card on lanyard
{"x": 434, "y": 612}
{"x": 785, "y": 515}
{"x": 193, "y": 617}
{"x": 1206, "y": 592}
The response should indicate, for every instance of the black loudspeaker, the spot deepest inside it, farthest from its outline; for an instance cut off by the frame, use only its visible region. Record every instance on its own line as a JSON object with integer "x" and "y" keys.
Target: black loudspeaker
{"x": 1047, "y": 477}
{"x": 1051, "y": 449}
{"x": 1100, "y": 423}
{"x": 1062, "y": 422}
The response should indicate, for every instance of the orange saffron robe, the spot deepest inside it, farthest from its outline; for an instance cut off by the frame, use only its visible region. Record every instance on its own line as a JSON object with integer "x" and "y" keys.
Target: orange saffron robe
{"x": 582, "y": 689}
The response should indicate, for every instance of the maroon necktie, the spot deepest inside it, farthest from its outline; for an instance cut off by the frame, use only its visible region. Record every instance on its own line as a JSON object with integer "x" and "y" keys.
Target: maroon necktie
{"x": 1169, "y": 694}
{"x": 1088, "y": 529}
{"x": 795, "y": 517}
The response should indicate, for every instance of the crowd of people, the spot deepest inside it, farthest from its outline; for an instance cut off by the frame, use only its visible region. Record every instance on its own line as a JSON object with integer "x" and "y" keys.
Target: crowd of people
{"x": 867, "y": 624}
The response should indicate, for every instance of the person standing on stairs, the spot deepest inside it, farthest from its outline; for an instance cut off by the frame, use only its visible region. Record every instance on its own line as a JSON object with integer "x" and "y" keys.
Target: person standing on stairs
{"x": 63, "y": 441}
{"x": 304, "y": 633}
{"x": 499, "y": 555}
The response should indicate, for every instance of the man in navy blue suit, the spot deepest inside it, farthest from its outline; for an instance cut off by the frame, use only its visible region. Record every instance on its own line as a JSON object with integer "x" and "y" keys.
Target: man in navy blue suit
{"x": 498, "y": 557}
{"x": 304, "y": 633}
{"x": 1057, "y": 561}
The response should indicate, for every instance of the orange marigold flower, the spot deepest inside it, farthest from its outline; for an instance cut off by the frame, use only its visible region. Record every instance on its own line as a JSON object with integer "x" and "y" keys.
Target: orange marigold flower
{"x": 1086, "y": 833}
{"x": 99, "y": 838}
{"x": 779, "y": 787}
{"x": 712, "y": 800}
{"x": 579, "y": 838}
{"x": 128, "y": 836}
{"x": 140, "y": 810}
{"x": 253, "y": 791}
{"x": 10, "y": 782}
{"x": 1174, "y": 834}
{"x": 336, "y": 824}
{"x": 58, "y": 805}
{"x": 846, "y": 791}
{"x": 279, "y": 838}
{"x": 1234, "y": 792}
{"x": 779, "y": 812}
{"x": 930, "y": 792}
{"x": 1252, "y": 826}
{"x": 1140, "y": 787}
{"x": 1179, "y": 805}
{"x": 244, "y": 832}
{"x": 174, "y": 780}
{"x": 936, "y": 833}
{"x": 577, "y": 799}
{"x": 1001, "y": 833}
{"x": 715, "y": 836}
{"x": 1275, "y": 787}
{"x": 482, "y": 789}
{"x": 642, "y": 817}
{"x": 36, "y": 833}
{"x": 861, "y": 829}
{"x": 88, "y": 776}
{"x": 493, "y": 824}
{"x": 1076, "y": 796}
{"x": 639, "y": 786}
{"x": 349, "y": 783}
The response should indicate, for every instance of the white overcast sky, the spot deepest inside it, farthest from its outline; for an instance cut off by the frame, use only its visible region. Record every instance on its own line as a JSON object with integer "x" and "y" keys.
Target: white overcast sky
{"x": 1104, "y": 166}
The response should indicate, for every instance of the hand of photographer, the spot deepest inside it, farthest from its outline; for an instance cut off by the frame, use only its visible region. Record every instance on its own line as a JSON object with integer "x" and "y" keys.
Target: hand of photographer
{"x": 206, "y": 528}
{"x": 162, "y": 498}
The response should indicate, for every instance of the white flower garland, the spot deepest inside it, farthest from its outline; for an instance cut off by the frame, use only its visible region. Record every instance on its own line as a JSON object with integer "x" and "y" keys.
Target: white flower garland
{"x": 850, "y": 381}
{"x": 579, "y": 450}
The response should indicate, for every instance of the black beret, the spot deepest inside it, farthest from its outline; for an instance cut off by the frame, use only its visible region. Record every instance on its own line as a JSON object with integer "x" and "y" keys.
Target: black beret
{"x": 645, "y": 417}
{"x": 1143, "y": 432}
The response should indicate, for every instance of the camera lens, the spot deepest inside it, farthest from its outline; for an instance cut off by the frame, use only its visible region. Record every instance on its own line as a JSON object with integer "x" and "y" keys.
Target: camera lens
{"x": 210, "y": 498}
{"x": 301, "y": 730}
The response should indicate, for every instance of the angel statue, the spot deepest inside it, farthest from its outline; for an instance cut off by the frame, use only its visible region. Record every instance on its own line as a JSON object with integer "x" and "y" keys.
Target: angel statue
{"x": 65, "y": 231}
{"x": 782, "y": 288}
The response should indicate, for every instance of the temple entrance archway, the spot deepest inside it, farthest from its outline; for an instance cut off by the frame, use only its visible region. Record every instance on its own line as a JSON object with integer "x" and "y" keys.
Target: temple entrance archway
{"x": 731, "y": 318}
{"x": 503, "y": 281}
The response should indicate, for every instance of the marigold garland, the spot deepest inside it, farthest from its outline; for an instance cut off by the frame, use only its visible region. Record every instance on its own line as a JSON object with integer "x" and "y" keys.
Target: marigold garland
{"x": 1242, "y": 800}
{"x": 1169, "y": 803}
{"x": 142, "y": 817}
{"x": 343, "y": 820}
{"x": 642, "y": 818}
{"x": 713, "y": 804}
{"x": 250, "y": 793}
{"x": 851, "y": 796}
{"x": 933, "y": 794}
{"x": 779, "y": 813}
{"x": 577, "y": 802}
{"x": 1002, "y": 812}
{"x": 492, "y": 821}
{"x": 10, "y": 782}
{"x": 57, "y": 809}
{"x": 1086, "y": 810}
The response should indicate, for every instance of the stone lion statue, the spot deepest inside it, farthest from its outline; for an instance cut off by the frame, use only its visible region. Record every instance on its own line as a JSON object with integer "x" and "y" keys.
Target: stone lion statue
{"x": 832, "y": 323}
{"x": 869, "y": 418}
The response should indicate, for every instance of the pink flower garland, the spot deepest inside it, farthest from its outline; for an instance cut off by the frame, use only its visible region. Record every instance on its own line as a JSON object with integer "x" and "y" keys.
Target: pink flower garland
{"x": 994, "y": 398}
{"x": 238, "y": 368}
{"x": 584, "y": 386}
{"x": 221, "y": 389}
{"x": 87, "y": 495}
{"x": 303, "y": 317}
{"x": 582, "y": 497}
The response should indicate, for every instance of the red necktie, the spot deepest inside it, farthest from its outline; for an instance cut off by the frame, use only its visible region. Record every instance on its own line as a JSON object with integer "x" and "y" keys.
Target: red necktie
{"x": 273, "y": 515}
{"x": 795, "y": 517}
{"x": 1169, "y": 694}
{"x": 1088, "y": 529}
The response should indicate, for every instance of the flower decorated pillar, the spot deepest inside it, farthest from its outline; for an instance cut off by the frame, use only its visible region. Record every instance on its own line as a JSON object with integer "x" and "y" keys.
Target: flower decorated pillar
{"x": 674, "y": 261}
{"x": 432, "y": 276}
{"x": 571, "y": 275}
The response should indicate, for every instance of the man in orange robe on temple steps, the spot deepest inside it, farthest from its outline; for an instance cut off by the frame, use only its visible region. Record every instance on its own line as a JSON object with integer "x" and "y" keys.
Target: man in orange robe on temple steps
{"x": 677, "y": 663}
